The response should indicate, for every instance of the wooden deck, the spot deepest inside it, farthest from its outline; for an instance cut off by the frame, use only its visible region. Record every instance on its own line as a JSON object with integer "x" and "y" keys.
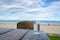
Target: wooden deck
{"x": 20, "y": 34}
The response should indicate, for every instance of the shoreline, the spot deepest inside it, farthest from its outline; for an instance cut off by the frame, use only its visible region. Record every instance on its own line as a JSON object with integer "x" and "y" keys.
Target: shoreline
{"x": 48, "y": 29}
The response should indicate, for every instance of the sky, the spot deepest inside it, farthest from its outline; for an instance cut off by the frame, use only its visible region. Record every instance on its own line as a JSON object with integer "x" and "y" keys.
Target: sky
{"x": 30, "y": 10}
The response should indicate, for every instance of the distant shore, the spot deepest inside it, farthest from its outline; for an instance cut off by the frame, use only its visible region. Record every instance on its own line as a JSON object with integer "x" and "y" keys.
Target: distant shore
{"x": 47, "y": 28}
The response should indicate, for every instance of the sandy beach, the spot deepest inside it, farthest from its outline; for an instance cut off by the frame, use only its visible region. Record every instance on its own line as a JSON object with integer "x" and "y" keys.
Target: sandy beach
{"x": 53, "y": 29}
{"x": 48, "y": 29}
{"x": 8, "y": 26}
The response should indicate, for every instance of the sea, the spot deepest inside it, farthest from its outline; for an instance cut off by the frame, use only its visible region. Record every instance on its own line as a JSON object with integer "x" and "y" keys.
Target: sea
{"x": 36, "y": 21}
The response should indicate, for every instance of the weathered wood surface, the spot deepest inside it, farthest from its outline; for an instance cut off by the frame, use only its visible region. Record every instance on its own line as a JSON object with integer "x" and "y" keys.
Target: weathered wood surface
{"x": 31, "y": 36}
{"x": 5, "y": 30}
{"x": 20, "y": 34}
{"x": 17, "y": 34}
{"x": 43, "y": 36}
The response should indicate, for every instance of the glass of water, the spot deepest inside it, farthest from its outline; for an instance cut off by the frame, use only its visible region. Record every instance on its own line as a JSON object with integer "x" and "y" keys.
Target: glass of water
{"x": 36, "y": 28}
{"x": 36, "y": 31}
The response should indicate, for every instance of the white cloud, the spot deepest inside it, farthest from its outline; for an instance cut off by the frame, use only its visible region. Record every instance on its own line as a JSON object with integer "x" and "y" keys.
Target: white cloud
{"x": 11, "y": 6}
{"x": 18, "y": 16}
{"x": 51, "y": 10}
{"x": 22, "y": 8}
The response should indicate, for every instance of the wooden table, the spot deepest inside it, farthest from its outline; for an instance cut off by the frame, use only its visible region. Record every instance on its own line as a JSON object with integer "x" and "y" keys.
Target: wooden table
{"x": 20, "y": 34}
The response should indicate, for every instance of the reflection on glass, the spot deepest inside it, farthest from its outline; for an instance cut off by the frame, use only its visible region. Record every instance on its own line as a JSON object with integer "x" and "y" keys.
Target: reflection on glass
{"x": 36, "y": 28}
{"x": 36, "y": 31}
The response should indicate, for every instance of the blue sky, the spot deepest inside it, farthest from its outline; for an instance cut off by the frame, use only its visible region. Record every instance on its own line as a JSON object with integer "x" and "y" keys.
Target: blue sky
{"x": 30, "y": 10}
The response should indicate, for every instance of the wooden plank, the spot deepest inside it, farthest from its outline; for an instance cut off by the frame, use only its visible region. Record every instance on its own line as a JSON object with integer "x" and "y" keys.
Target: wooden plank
{"x": 13, "y": 35}
{"x": 28, "y": 36}
{"x": 43, "y": 36}
{"x": 31, "y": 36}
{"x": 5, "y": 30}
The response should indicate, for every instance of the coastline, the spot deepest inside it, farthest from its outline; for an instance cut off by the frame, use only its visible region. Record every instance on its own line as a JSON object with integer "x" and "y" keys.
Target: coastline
{"x": 52, "y": 29}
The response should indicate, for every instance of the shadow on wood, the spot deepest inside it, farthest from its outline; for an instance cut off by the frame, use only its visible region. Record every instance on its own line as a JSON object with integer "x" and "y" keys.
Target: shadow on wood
{"x": 25, "y": 25}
